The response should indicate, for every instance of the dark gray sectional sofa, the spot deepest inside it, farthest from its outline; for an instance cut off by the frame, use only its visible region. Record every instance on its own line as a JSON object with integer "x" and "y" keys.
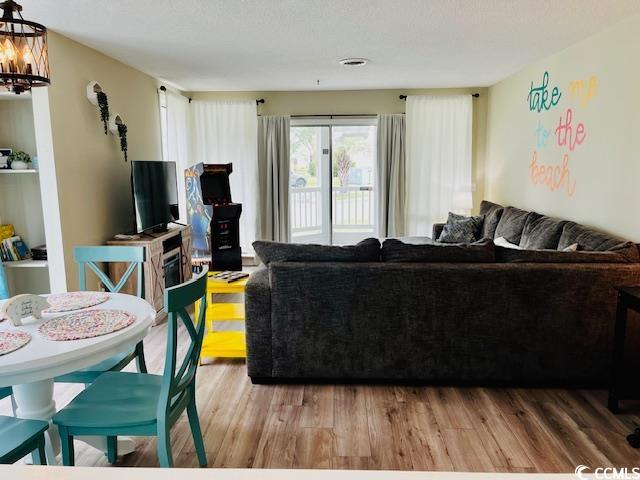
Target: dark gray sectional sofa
{"x": 418, "y": 310}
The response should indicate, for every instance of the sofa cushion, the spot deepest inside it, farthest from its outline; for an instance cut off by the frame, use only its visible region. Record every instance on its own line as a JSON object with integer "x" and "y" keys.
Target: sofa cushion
{"x": 510, "y": 255}
{"x": 415, "y": 240}
{"x": 587, "y": 238}
{"x": 542, "y": 233}
{"x": 492, "y": 213}
{"x": 481, "y": 251}
{"x": 461, "y": 229}
{"x": 512, "y": 224}
{"x": 366, "y": 251}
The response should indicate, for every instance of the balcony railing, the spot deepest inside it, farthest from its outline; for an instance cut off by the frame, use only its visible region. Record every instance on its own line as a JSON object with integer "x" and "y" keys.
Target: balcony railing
{"x": 353, "y": 209}
{"x": 305, "y": 208}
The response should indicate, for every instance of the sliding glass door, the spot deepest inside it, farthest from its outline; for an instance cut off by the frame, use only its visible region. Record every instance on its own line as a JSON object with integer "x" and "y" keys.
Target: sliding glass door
{"x": 332, "y": 181}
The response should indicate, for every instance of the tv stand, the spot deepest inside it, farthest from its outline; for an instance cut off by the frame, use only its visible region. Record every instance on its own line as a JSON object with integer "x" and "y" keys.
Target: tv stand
{"x": 160, "y": 228}
{"x": 168, "y": 263}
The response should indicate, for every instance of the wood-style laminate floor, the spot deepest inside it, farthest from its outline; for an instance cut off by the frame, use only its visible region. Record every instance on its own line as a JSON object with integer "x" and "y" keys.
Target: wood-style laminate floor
{"x": 384, "y": 427}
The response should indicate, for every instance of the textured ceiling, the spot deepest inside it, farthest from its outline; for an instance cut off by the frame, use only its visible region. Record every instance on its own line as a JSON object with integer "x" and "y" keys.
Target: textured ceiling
{"x": 290, "y": 44}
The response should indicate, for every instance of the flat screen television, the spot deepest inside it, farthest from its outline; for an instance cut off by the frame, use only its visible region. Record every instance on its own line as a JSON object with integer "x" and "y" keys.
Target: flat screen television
{"x": 155, "y": 194}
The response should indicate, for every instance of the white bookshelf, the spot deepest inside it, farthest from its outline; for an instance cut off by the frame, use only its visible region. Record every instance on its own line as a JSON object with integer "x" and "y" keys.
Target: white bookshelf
{"x": 26, "y": 264}
{"x": 8, "y": 171}
{"x": 21, "y": 202}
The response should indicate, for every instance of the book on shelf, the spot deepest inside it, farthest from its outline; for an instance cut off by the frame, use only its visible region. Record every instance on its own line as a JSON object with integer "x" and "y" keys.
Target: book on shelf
{"x": 6, "y": 231}
{"x": 39, "y": 252}
{"x": 13, "y": 249}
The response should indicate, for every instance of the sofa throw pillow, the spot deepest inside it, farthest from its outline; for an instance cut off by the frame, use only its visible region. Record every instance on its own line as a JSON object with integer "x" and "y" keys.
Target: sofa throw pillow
{"x": 503, "y": 242}
{"x": 512, "y": 223}
{"x": 509, "y": 255}
{"x": 492, "y": 213}
{"x": 574, "y": 247}
{"x": 461, "y": 229}
{"x": 481, "y": 251}
{"x": 366, "y": 251}
{"x": 542, "y": 233}
{"x": 587, "y": 238}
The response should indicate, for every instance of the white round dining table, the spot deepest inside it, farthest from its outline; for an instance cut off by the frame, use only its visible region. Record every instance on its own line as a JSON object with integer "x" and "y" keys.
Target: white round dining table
{"x": 31, "y": 369}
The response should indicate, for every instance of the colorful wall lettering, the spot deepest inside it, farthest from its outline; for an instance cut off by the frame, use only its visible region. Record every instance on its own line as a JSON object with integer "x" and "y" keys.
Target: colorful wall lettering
{"x": 542, "y": 136}
{"x": 584, "y": 91}
{"x": 554, "y": 177}
{"x": 566, "y": 135}
{"x": 569, "y": 133}
{"x": 539, "y": 98}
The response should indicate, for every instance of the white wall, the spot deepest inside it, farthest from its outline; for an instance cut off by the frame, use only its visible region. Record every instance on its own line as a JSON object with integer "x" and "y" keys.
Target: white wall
{"x": 600, "y": 186}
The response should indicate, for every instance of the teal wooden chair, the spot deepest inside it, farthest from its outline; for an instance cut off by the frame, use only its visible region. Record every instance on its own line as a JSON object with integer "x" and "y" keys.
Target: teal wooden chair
{"x": 20, "y": 437}
{"x": 138, "y": 404}
{"x": 8, "y": 392}
{"x": 90, "y": 257}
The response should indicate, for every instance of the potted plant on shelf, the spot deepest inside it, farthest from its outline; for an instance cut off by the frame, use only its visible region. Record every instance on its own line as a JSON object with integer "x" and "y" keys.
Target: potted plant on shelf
{"x": 19, "y": 160}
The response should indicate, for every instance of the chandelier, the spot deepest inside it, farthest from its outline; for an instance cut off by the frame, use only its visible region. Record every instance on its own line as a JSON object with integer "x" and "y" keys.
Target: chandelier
{"x": 24, "y": 60}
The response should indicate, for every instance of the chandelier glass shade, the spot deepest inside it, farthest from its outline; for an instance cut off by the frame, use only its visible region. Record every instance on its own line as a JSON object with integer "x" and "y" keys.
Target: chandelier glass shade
{"x": 24, "y": 59}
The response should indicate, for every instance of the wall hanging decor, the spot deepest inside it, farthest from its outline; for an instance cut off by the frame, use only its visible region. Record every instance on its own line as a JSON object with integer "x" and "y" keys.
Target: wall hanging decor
{"x": 115, "y": 119}
{"x": 24, "y": 56}
{"x": 112, "y": 122}
{"x": 103, "y": 104}
{"x": 92, "y": 92}
{"x": 99, "y": 98}
{"x": 122, "y": 133}
{"x": 119, "y": 128}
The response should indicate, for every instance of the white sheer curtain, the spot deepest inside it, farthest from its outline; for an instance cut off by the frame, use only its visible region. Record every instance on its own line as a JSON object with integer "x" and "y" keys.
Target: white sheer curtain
{"x": 174, "y": 111}
{"x": 438, "y": 159}
{"x": 226, "y": 132}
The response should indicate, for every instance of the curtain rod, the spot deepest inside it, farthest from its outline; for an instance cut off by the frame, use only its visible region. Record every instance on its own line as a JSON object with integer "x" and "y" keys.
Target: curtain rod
{"x": 258, "y": 101}
{"x": 331, "y": 115}
{"x": 404, "y": 97}
{"x": 164, "y": 89}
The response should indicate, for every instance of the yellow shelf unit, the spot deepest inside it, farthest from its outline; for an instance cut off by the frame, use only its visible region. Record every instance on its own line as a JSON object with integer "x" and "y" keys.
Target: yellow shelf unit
{"x": 225, "y": 312}
{"x": 224, "y": 345}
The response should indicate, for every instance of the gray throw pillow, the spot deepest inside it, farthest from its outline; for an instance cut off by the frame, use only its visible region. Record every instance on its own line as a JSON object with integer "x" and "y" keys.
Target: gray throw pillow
{"x": 512, "y": 224}
{"x": 541, "y": 233}
{"x": 492, "y": 213}
{"x": 481, "y": 251}
{"x": 587, "y": 238}
{"x": 366, "y": 251}
{"x": 461, "y": 229}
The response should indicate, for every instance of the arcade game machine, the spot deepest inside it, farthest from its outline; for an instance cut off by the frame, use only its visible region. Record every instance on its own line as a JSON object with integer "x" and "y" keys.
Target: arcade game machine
{"x": 225, "y": 217}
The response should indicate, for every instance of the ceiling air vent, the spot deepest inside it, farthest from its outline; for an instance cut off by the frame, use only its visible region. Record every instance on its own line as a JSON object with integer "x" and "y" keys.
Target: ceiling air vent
{"x": 354, "y": 62}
